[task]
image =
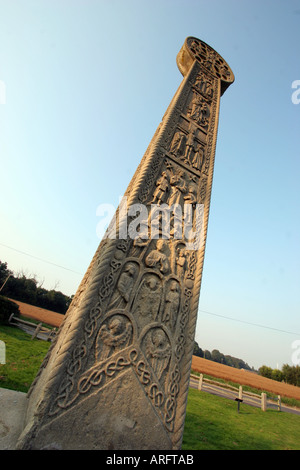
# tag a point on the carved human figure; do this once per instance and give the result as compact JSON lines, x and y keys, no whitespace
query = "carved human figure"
{"x":178,"y":143}
{"x":138,"y":244}
{"x":159,"y":221}
{"x":148,"y":298}
{"x":114,"y":335}
{"x":191,"y":196}
{"x":178,"y":188}
{"x":199,"y":111}
{"x":171,"y":305}
{"x":195,"y":107}
{"x":204,"y":115}
{"x":162,"y":187}
{"x":204,"y":86}
{"x":124,"y":286}
{"x":198,"y":158}
{"x":190,"y":146}
{"x":157,"y":258}
{"x":180,"y":263}
{"x":158,"y":351}
{"x":189,"y":211}
{"x":209,"y":90}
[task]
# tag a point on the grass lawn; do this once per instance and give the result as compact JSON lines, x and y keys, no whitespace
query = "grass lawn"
{"x":213,"y":423}
{"x":23,"y":358}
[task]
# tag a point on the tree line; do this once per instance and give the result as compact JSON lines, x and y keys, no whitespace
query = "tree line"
{"x":216,"y":356}
{"x":287,"y":374}
{"x":29,"y":290}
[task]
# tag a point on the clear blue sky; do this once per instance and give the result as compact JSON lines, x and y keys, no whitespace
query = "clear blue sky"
{"x":87,"y":83}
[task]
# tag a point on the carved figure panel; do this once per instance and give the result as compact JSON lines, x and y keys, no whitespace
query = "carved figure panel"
{"x":181,"y":262}
{"x":157,"y":348}
{"x":157,"y":257}
{"x":172,"y":304}
{"x":162,"y":188}
{"x":115,"y":334}
{"x":146,"y":304}
{"x":178,"y":144}
{"x":124,"y":286}
{"x":191,"y":151}
{"x":204,"y":86}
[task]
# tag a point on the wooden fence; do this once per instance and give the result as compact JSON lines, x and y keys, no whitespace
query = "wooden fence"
{"x":238,"y":391}
{"x":35,"y":330}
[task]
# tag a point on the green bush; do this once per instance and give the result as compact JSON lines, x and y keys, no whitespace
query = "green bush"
{"x":7,"y":307}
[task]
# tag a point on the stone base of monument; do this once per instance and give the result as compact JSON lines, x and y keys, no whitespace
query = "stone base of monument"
{"x":13,"y":409}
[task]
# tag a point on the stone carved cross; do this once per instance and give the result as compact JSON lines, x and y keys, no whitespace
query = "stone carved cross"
{"x":117,"y":375}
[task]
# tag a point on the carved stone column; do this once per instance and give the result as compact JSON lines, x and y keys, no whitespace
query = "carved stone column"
{"x":117,"y":375}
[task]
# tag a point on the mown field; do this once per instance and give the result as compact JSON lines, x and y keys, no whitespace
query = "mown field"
{"x":244,"y":377}
{"x":40,"y":314}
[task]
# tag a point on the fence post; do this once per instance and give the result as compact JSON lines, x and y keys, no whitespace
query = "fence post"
{"x":264,"y":401}
{"x":200,"y":382}
{"x":2,"y":352}
{"x":37,"y":330}
{"x":241,"y":392}
{"x":279,"y":403}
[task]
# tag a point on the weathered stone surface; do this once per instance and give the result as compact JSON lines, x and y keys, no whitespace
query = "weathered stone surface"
{"x":117,"y":376}
{"x":12,"y":414}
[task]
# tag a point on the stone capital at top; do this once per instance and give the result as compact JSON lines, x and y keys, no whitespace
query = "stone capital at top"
{"x":195,"y":49}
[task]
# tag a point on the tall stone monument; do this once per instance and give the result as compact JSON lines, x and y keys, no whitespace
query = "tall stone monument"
{"x":117,"y":375}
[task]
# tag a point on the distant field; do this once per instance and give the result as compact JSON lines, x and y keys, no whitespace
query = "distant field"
{"x":244,"y":377}
{"x":41,"y":314}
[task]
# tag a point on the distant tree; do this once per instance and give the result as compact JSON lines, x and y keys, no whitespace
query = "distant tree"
{"x":265,"y":371}
{"x":277,"y":375}
{"x":223,"y":359}
{"x":7,"y":307}
{"x":243,"y":365}
{"x":291,"y":374}
{"x":4,"y":273}
{"x":288,"y":374}
{"x":207,"y":354}
{"x":216,"y":355}
{"x":30,"y":291}
{"x":229,"y":361}
{"x":58,"y":301}
{"x":297,"y":376}
{"x":197,"y":350}
{"x":69,"y":300}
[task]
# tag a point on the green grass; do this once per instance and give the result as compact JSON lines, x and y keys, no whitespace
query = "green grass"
{"x":23,"y":358}
{"x":213,"y":423}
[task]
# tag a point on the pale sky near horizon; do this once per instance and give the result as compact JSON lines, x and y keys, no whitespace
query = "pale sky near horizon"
{"x":86,"y":85}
